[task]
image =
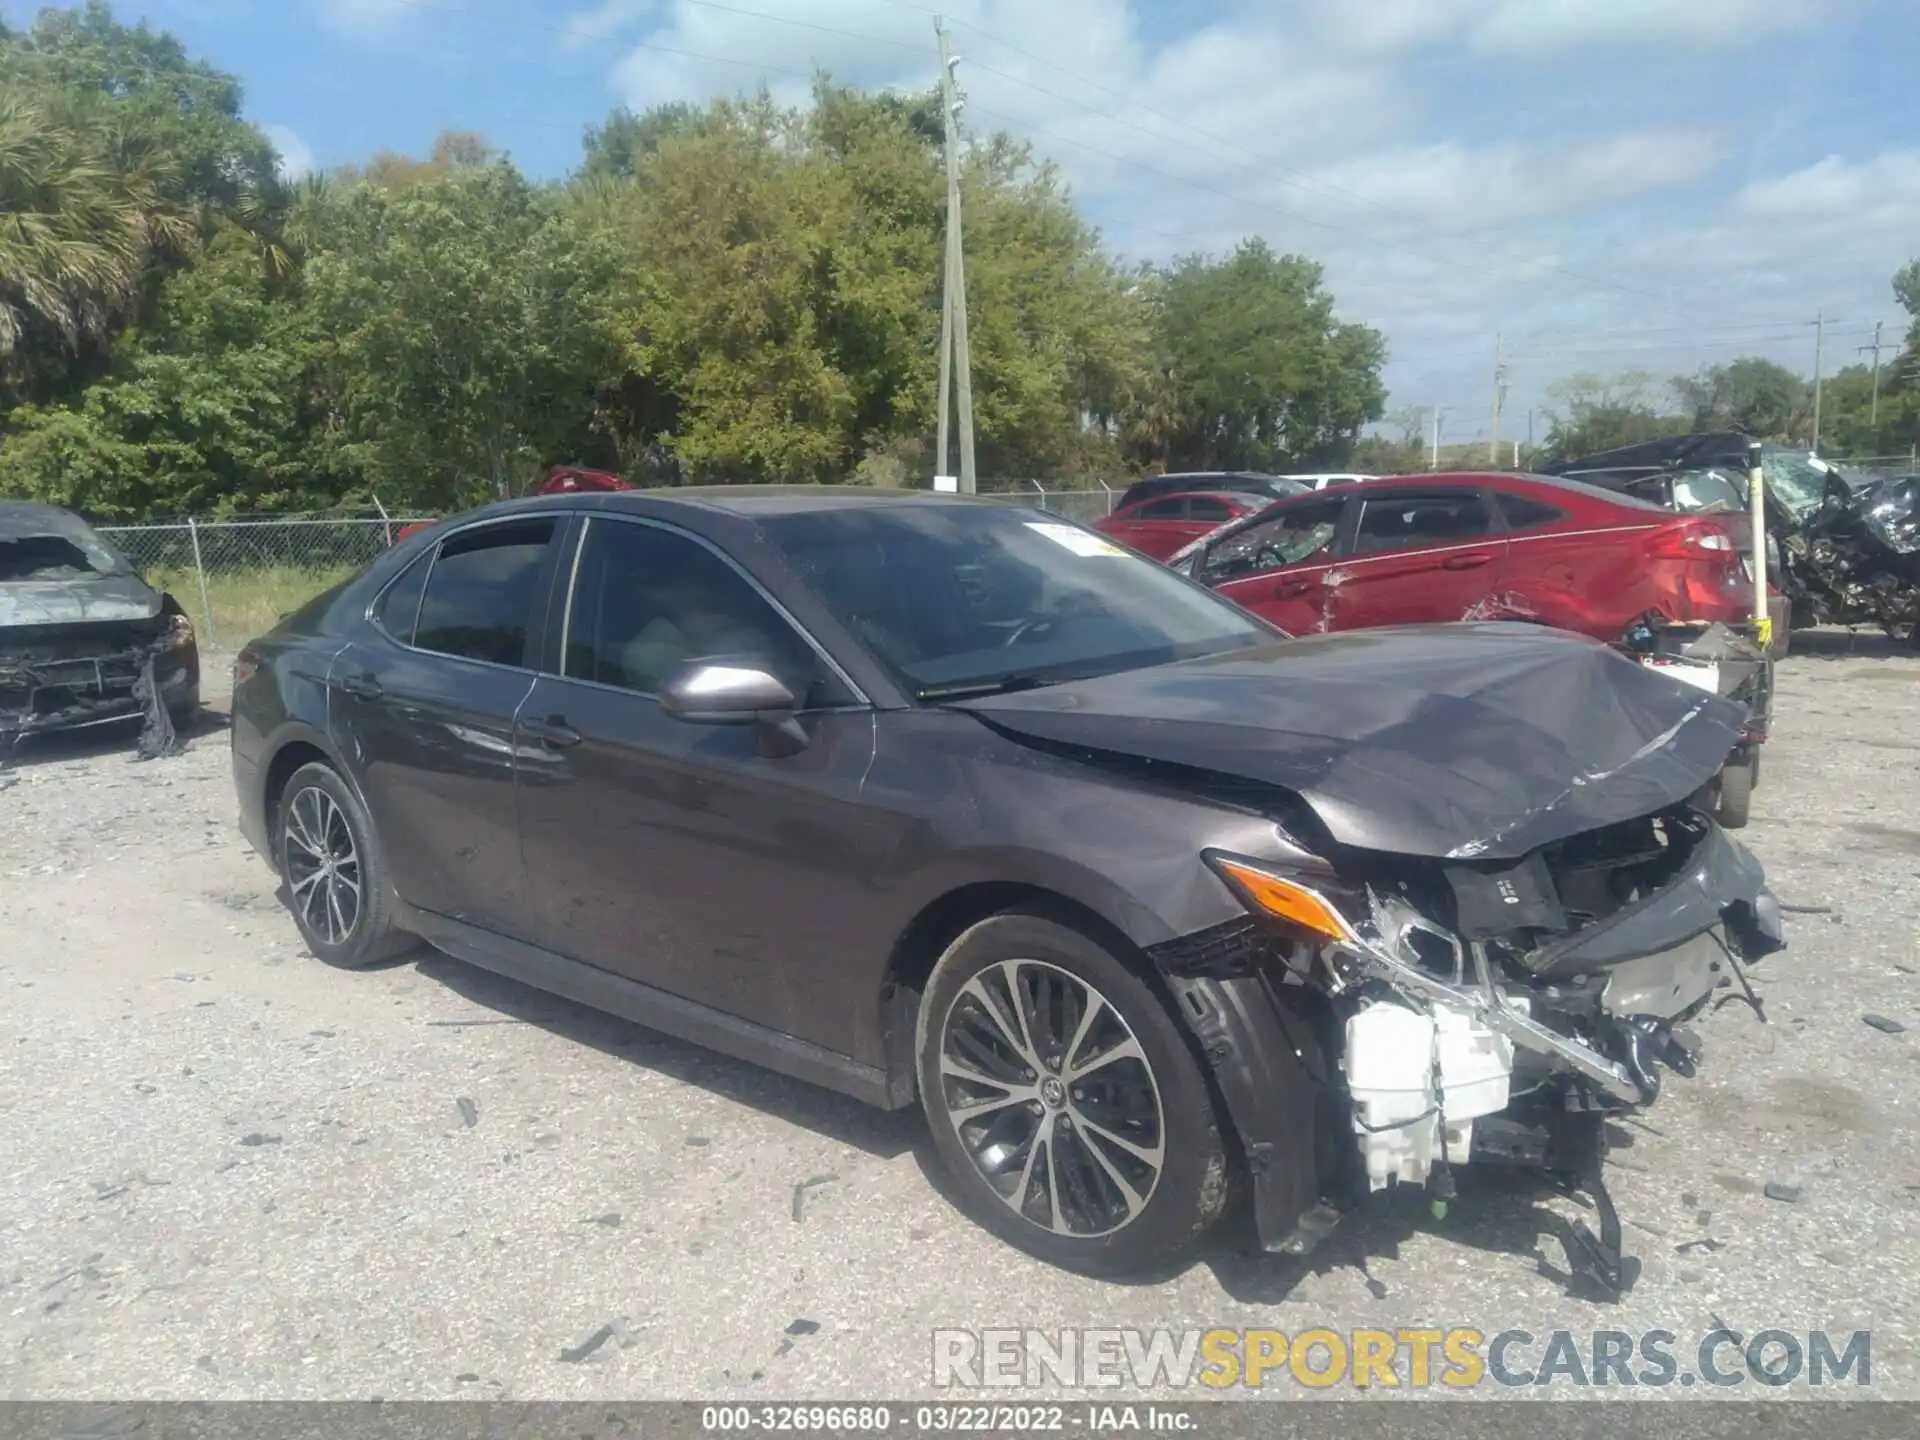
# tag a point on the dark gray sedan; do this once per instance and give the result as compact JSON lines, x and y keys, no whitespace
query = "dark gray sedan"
{"x":940,"y":800}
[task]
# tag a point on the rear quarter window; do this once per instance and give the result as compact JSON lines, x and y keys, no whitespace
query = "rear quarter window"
{"x":1524,"y":514}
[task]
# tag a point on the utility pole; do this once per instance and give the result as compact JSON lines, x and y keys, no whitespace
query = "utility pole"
{"x":956,"y":355}
{"x":1819,"y":342}
{"x":1873,"y":420}
{"x":1438,"y":410}
{"x":1499,"y":398}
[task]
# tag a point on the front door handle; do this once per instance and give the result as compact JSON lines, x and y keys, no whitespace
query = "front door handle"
{"x":553,"y":730}
{"x":1291,"y":588}
{"x":363,"y":685}
{"x":1473,"y":560}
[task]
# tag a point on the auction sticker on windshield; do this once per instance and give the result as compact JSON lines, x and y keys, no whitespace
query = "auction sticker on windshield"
{"x":1080,"y":542}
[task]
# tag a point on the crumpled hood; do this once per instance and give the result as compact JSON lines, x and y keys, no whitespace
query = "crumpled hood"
{"x":1451,"y":741}
{"x":82,"y":600}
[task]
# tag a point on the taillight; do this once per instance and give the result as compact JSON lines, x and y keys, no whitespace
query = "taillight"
{"x":244,"y":666}
{"x":1693,"y":539}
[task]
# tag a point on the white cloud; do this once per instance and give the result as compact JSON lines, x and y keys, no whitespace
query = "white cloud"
{"x":1536,"y":27}
{"x":603,"y":23}
{"x":296,"y":156}
{"x":1314,"y":127}
{"x":1543,"y":25}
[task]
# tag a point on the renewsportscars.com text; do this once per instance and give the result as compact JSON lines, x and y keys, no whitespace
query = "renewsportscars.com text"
{"x":1458,"y":1358}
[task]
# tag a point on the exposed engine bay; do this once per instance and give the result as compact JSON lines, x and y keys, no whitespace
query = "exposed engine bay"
{"x":1499,"y":1011}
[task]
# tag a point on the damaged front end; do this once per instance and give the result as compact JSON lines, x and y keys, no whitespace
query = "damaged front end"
{"x":61,"y":676}
{"x":1418,"y":1014}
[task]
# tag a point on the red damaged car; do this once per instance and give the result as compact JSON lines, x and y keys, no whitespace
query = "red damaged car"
{"x":1161,"y":524}
{"x":1675,"y":589}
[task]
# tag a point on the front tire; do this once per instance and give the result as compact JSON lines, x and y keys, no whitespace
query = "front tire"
{"x":335,"y":871}
{"x":1065,"y":1102}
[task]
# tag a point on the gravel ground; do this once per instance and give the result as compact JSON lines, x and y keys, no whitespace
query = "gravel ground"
{"x":230,"y":1171}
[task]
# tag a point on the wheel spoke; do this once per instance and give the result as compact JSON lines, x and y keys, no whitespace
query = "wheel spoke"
{"x":974,"y":1109}
{"x":297,"y":830}
{"x":1017,"y":998}
{"x":1095,"y":1005}
{"x":1054,"y":1218}
{"x":1153,"y":1155}
{"x":1012,"y":1033}
{"x":1127,"y":1049}
{"x":1135,"y":1201}
{"x":306,"y":882}
{"x":337,"y":929}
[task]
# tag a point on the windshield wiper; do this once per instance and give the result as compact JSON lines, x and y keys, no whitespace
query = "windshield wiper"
{"x":1002,"y":685}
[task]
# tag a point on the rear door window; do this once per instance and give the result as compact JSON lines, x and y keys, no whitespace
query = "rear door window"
{"x":1411,"y":522}
{"x":399,"y":604}
{"x":1206,"y":507}
{"x":1174,"y":507}
{"x":1525,"y":514}
{"x":482,"y":592}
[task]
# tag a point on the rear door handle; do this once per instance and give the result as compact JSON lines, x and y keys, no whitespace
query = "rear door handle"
{"x":365,"y":686}
{"x":553,"y":730}
{"x":1470,"y":561}
{"x":1290,"y":588}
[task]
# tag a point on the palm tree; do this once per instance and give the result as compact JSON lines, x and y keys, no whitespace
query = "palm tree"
{"x":83,"y":207}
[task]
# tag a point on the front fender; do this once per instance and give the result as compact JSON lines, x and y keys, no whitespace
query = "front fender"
{"x":1270,"y":1060}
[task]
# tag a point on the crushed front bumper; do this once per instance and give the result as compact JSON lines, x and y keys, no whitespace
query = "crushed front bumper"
{"x":39,"y":695}
{"x":1598,"y":1011}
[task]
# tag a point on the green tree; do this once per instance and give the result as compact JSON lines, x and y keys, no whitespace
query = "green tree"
{"x":780,"y":300}
{"x":617,"y":146}
{"x":1269,"y":376}
{"x":466,"y":330}
{"x":1589,"y":413}
{"x":213,"y":405}
{"x":1756,"y":396}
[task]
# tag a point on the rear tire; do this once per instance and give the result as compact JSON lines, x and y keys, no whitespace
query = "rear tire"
{"x":336,"y":875}
{"x":1736,"y":793}
{"x":1078,"y":1128}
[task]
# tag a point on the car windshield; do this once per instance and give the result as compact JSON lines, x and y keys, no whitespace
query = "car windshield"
{"x":968,"y":599}
{"x":65,"y":556}
{"x":1699,"y":491}
{"x":1793,"y":478}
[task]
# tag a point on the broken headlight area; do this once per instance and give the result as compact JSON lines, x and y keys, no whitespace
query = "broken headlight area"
{"x":58,"y":676}
{"x":1476,"y":1011}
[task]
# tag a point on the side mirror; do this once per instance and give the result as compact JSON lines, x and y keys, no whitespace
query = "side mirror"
{"x":726,"y":691}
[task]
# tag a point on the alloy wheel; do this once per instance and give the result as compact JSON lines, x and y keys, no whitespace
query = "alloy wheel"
{"x":323,"y":865}
{"x":1052,"y":1098}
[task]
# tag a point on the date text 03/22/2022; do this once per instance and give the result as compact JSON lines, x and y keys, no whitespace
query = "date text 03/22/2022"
{"x":947,"y":1419}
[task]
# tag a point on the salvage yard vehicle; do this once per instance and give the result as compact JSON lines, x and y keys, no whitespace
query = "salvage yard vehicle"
{"x":1673,"y":590}
{"x":1844,"y":542}
{"x":923,"y":797}
{"x":83,"y":639}
{"x":1210,"y":482}
{"x":1162,"y":524}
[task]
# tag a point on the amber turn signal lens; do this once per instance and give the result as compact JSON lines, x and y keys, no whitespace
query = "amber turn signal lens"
{"x":1283,"y":899}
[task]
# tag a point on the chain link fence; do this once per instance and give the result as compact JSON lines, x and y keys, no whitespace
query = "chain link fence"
{"x":238,"y":577}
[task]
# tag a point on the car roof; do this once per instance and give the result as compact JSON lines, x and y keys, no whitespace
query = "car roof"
{"x":746,"y":501}
{"x":30,"y":517}
{"x":1239,"y":497}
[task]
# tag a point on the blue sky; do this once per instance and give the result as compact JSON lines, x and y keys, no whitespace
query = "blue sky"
{"x":1600,"y":183}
